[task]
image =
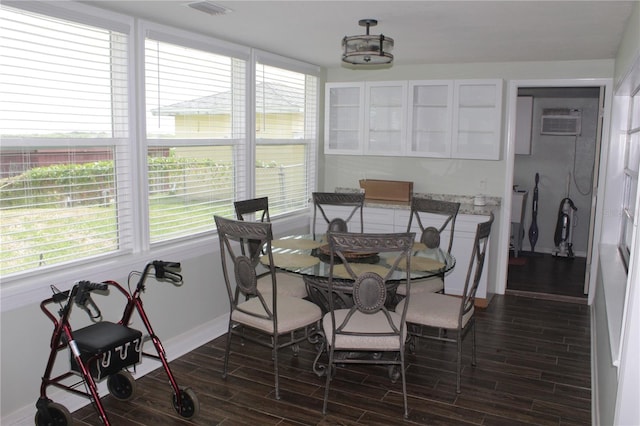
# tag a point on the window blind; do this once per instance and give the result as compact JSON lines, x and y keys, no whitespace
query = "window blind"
{"x":195,"y":121}
{"x":286,"y":133}
{"x":64,"y":128}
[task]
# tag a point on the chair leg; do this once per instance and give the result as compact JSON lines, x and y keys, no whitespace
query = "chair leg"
{"x":404,"y":385}
{"x":473,"y":342}
{"x":329,"y":373}
{"x":459,"y":366}
{"x":275,"y":365}
{"x":226,"y":352}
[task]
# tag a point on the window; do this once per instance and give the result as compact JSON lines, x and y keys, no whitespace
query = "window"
{"x":285,"y":137}
{"x":64,"y":130}
{"x":196,"y":134}
{"x":84,"y":175}
{"x":631,"y":169}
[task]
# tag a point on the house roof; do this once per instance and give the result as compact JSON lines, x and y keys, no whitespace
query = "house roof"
{"x":274,"y":97}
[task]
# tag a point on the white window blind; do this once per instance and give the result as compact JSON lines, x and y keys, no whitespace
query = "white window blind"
{"x":286,"y":135}
{"x":196,"y":137}
{"x":64,"y":128}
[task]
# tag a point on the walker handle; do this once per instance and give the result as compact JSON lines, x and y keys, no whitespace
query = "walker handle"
{"x":163,"y":271}
{"x":83,"y":297}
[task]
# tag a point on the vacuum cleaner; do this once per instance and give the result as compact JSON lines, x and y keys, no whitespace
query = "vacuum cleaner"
{"x":563,"y":237}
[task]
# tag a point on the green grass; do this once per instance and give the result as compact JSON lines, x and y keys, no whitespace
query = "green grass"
{"x":34,"y":237}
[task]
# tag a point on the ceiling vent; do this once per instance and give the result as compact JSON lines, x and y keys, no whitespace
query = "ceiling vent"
{"x":208,"y":7}
{"x":561,"y":121}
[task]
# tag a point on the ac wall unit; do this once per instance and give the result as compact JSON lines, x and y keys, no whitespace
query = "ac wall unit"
{"x":561,"y":121}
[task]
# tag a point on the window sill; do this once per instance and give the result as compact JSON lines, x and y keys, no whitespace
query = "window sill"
{"x":614,"y":284}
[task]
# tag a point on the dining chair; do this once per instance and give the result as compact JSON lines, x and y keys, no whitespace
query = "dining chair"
{"x":353,"y":201}
{"x":445,"y":213}
{"x":367,"y":326}
{"x":429,"y":313}
{"x":280,"y":320}
{"x":258,"y":210}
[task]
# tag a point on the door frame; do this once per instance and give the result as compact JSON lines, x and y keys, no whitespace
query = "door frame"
{"x":509,"y":156}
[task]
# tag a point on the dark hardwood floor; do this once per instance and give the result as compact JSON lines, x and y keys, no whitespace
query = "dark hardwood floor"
{"x":533,"y":369}
{"x":545,"y":274}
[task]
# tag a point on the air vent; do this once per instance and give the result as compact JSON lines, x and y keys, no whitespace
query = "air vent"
{"x":208,"y":7}
{"x":561,"y":121}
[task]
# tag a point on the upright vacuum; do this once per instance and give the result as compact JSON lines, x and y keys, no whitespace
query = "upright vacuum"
{"x":563,"y":237}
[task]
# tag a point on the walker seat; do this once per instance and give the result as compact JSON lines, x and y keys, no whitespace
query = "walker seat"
{"x":106,"y":348}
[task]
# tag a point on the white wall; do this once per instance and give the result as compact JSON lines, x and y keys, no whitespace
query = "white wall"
{"x":441,"y":175}
{"x":552,"y":157}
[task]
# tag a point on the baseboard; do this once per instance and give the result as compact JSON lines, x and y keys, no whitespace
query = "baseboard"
{"x":174,"y":348}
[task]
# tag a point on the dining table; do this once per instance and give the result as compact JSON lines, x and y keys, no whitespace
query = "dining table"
{"x":309,"y":257}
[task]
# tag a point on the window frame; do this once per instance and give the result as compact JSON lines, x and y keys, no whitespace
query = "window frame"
{"x":33,"y":285}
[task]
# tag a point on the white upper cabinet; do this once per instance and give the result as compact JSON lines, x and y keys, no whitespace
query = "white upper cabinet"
{"x":430,"y":118}
{"x":385,"y":117}
{"x":344,"y":118}
{"x":433,"y":118}
{"x":477,"y":119}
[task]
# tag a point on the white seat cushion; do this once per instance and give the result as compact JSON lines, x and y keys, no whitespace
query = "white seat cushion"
{"x":434,"y":310}
{"x":287,"y":285}
{"x":361,"y":322}
{"x":426,"y":285}
{"x":293,"y":313}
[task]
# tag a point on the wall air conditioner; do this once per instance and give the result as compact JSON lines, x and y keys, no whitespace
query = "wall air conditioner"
{"x":561,"y":121}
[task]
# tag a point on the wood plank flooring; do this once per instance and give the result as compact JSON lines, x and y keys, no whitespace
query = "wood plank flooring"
{"x":533,"y":368}
{"x":546,"y":274}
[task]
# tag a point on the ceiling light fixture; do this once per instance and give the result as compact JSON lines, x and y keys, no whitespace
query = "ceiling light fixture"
{"x":367,"y":49}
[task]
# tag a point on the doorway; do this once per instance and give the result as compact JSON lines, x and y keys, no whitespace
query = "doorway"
{"x":555,"y":166}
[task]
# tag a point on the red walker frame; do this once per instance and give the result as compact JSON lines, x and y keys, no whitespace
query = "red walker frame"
{"x":184,"y":399}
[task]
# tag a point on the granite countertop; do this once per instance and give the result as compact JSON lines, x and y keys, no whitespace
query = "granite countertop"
{"x":466,"y":202}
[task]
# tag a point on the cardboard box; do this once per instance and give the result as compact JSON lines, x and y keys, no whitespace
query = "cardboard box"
{"x":386,"y":190}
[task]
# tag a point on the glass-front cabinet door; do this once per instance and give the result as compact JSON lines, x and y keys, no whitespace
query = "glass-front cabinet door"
{"x":430,"y":116}
{"x":344,"y":118}
{"x":477,"y":114}
{"x":385,"y":118}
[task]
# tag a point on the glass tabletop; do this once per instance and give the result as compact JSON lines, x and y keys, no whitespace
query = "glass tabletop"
{"x":303,"y":255}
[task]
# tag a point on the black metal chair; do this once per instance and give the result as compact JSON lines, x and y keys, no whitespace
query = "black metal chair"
{"x":445,"y":212}
{"x":429,"y":313}
{"x":257,"y":209}
{"x":353,"y":201}
{"x":367,"y":326}
{"x":268,"y":314}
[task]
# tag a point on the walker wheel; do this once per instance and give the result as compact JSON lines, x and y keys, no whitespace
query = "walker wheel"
{"x":190,"y":405}
{"x":121,"y":385}
{"x":59,"y":414}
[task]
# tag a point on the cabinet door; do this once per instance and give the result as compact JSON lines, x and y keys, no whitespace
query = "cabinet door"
{"x":429,"y":121}
{"x":344,"y":118}
{"x":378,"y":220}
{"x":385,"y":117}
{"x":477,"y":118}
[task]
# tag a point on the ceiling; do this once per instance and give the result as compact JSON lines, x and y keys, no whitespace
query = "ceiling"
{"x":425,"y":32}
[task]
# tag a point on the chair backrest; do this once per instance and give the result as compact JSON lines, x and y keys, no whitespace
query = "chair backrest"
{"x":259,"y":207}
{"x":370,"y":288}
{"x":476,"y":266}
{"x":340,"y":224}
{"x":239,"y":267}
{"x":431,"y":235}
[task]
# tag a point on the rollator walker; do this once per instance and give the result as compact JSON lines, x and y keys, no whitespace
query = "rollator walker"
{"x":104,"y":350}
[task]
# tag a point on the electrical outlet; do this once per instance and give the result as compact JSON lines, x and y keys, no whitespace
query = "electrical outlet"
{"x":483,"y":184}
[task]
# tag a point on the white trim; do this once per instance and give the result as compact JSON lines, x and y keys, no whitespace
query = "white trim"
{"x":509,"y":156}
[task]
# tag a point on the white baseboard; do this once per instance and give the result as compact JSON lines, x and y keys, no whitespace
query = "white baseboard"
{"x":174,"y":348}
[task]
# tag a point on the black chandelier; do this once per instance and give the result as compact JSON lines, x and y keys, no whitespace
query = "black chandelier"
{"x":367,"y":49}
